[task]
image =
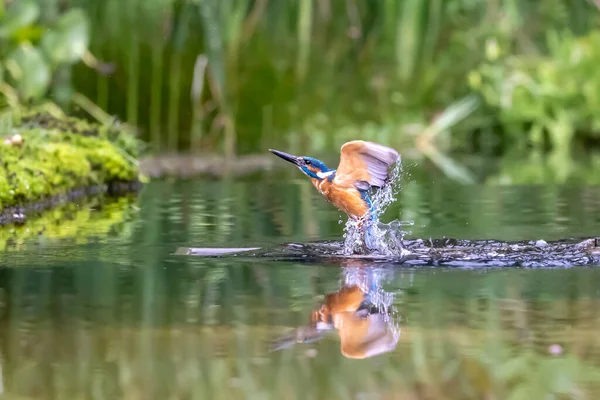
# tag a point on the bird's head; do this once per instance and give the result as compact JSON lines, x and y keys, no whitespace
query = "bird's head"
{"x":311,"y":167}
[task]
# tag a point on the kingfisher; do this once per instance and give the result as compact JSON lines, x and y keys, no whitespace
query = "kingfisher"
{"x":363,"y":166}
{"x":363,"y":328}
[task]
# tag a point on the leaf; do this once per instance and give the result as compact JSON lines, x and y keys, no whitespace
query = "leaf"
{"x":69,"y":39}
{"x":19,"y":15}
{"x":29,"y":70}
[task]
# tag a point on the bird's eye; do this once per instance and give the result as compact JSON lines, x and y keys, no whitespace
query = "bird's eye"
{"x":307,"y":162}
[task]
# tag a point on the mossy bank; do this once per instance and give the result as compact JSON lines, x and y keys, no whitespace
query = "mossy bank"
{"x":44,"y":158}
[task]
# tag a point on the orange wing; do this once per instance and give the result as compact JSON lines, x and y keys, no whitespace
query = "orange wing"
{"x":365,"y":163}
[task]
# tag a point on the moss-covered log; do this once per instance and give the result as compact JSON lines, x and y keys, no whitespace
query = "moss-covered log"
{"x":43,"y":157}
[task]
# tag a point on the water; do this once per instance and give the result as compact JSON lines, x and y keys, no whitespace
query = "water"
{"x":115,"y":313}
{"x":376,"y":237}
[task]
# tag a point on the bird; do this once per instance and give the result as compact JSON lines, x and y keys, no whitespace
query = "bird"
{"x":363,"y":329}
{"x":363,"y":165}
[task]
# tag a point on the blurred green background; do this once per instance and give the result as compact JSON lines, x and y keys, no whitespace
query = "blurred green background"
{"x":95,"y":304}
{"x":494,"y":78}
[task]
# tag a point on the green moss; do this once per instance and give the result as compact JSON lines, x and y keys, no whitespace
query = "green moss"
{"x":101,"y":153}
{"x":78,"y":222}
{"x":58,"y":155}
{"x":5,"y":196}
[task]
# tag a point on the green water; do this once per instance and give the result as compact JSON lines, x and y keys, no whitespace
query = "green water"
{"x":116,"y":314}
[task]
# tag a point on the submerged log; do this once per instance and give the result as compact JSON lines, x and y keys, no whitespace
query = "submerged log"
{"x":437,"y":252}
{"x":465,"y":253}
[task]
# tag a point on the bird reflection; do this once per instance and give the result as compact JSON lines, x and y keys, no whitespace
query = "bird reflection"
{"x":360,"y":312}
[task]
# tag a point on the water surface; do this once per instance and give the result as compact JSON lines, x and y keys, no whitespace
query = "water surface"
{"x":117,"y":314}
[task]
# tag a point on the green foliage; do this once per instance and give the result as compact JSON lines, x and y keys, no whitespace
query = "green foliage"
{"x":29,"y":70}
{"x":276,"y":68}
{"x":19,"y":15}
{"x":239,"y":76}
{"x":557,"y":94}
{"x":34,"y":46}
{"x":58,"y":155}
{"x":68,"y":41}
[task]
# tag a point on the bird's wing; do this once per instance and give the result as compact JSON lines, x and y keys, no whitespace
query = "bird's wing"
{"x":365,"y":163}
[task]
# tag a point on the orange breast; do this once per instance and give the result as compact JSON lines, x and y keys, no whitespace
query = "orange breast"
{"x":345,"y":197}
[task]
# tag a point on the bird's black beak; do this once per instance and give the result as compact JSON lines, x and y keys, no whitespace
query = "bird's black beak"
{"x":287,"y":157}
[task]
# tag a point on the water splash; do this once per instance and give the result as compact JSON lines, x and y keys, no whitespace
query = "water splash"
{"x":370,"y":280}
{"x":372,"y":236}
